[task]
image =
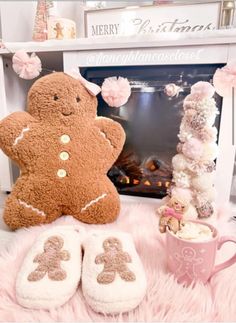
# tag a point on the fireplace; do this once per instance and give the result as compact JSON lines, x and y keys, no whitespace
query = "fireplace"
{"x":151,"y":121}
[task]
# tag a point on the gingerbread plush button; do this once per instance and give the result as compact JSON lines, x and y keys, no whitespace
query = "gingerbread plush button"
{"x":64,"y":152}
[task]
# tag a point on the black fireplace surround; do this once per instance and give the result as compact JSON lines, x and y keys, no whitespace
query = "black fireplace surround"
{"x":151,"y":121}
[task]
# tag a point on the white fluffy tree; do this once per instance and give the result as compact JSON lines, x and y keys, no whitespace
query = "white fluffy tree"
{"x":194,"y":166}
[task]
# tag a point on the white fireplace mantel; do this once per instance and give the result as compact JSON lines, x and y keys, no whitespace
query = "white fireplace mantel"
{"x":217,"y":37}
{"x":196,"y":48}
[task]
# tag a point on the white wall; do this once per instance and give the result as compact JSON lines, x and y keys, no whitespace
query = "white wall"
{"x":17,"y":18}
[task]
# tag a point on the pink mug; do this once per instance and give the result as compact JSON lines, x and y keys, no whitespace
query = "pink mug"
{"x":193,"y":261}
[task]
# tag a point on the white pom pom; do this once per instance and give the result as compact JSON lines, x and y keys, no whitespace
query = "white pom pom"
{"x":203,"y":183}
{"x":181,"y":179}
{"x":210,"y":194}
{"x":179,"y":162}
{"x":210,"y":152}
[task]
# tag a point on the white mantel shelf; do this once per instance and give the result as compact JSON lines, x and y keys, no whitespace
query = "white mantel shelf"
{"x":129,"y":42}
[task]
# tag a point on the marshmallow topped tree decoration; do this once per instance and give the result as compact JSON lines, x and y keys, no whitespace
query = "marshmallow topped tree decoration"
{"x":194,"y":166}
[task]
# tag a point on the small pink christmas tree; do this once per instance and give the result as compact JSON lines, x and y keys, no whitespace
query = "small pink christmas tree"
{"x":40,"y":25}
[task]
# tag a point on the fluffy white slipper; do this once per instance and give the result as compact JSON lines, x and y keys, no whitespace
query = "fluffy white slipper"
{"x":113,"y":278}
{"x":51,"y":270}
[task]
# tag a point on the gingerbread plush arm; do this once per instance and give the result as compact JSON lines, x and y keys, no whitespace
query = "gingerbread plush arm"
{"x":12,"y":131}
{"x":113,"y":133}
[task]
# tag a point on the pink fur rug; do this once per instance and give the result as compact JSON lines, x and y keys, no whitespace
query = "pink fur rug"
{"x":165,"y":301}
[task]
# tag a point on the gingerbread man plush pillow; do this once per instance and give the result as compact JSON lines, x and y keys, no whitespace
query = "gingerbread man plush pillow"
{"x":64,"y":152}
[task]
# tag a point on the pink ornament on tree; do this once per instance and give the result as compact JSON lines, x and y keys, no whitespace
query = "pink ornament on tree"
{"x":116,"y":91}
{"x":192,"y":148}
{"x":203,"y":90}
{"x":224,"y":79}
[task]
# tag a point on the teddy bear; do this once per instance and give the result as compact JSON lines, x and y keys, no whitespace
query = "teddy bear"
{"x":114,"y":260}
{"x":171,"y":214}
{"x":50,"y":261}
{"x":64,"y":152}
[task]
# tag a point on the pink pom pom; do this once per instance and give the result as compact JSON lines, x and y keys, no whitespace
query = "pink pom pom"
{"x":190,"y":101}
{"x":208,"y":134}
{"x":184,"y":193}
{"x":192,"y":148}
{"x":203,"y":90}
{"x":116,"y":92}
{"x":224,"y":79}
{"x":27,"y":67}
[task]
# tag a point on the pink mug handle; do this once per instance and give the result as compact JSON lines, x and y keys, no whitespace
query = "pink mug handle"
{"x":228,"y":262}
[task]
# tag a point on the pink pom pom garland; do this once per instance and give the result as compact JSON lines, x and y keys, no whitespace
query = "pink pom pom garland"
{"x":225,"y":79}
{"x":116,"y":91}
{"x":27,"y":67}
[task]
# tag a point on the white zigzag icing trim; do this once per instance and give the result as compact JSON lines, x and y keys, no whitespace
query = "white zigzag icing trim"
{"x":28,"y":206}
{"x":104,"y":135}
{"x":21,"y":136}
{"x":93,"y":201}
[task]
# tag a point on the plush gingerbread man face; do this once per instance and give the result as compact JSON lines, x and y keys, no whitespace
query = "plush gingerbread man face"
{"x":61,"y":99}
{"x":64,"y":152}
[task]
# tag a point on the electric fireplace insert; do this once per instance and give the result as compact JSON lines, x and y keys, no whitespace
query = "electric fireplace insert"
{"x":151,"y":121}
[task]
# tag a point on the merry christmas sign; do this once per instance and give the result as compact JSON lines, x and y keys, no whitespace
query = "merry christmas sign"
{"x":179,"y":18}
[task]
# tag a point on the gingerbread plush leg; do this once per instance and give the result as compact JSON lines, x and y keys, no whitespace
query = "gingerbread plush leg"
{"x":98,"y":204}
{"x":28,"y":205}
